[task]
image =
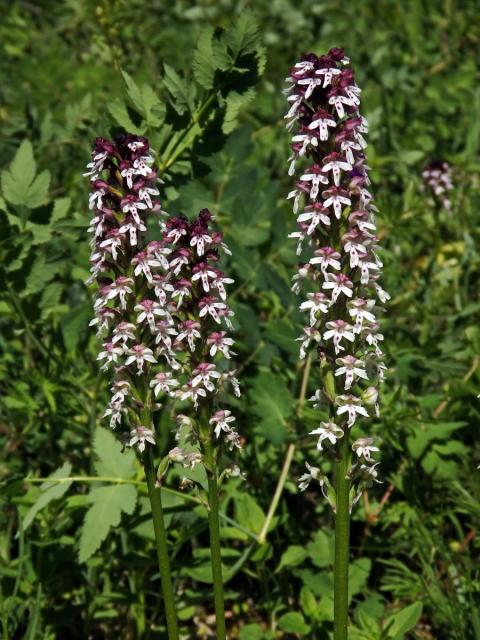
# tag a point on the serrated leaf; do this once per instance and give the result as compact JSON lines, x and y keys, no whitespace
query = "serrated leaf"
{"x":60,"y":209}
{"x":50,"y":491}
{"x":119,"y":112}
{"x":41,"y":273}
{"x":203,"y":65}
{"x":110,"y":459}
{"x":321,"y":549}
{"x":273,"y":404}
{"x":108,"y":503}
{"x":235,"y":103}
{"x":74,"y":325}
{"x":133,"y":89}
{"x":145,"y":100}
{"x":37,"y":193}
{"x":41,"y":233}
{"x":243,"y":37}
{"x":19,"y":185}
{"x":181,"y":91}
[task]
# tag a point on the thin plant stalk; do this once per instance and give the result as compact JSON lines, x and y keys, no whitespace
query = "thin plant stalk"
{"x":215,"y":549}
{"x":154,"y":493}
{"x":342,"y":540}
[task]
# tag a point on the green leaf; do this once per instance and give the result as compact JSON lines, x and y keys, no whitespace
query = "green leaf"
{"x":50,"y":491}
{"x":145,"y":100}
{"x":308,"y":602}
{"x":107,"y":505}
{"x":19,"y":185}
{"x":41,"y":273}
{"x":273,"y":404}
{"x":235,"y":102}
{"x":182,"y":91}
{"x":248,"y":513}
{"x":74,"y":325}
{"x":321,"y":549}
{"x":358,"y":573}
{"x":110,"y":459}
{"x":119,"y":112}
{"x":251,"y":632}
{"x":60,"y":209}
{"x":204,"y":66}
{"x":243,"y":37}
{"x":293,"y":622}
{"x":404,"y":621}
{"x":292,"y":557}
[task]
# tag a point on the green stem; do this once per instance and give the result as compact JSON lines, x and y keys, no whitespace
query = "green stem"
{"x":214,"y":527}
{"x":342,"y":539}
{"x":161,"y":541}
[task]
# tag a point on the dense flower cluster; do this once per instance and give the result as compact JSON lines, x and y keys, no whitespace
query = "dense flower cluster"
{"x":437,"y":180}
{"x":336,"y":239}
{"x":160,"y":305}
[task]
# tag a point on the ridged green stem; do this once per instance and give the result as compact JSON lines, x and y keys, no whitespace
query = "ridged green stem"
{"x":161,"y":544}
{"x":342,"y":539}
{"x":214,"y":527}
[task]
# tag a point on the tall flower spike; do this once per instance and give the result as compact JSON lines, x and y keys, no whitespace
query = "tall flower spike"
{"x":132,"y":308}
{"x":340,"y":267}
{"x":336,"y":227}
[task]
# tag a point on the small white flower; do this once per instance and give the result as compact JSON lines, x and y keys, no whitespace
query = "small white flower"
{"x":352,"y":406}
{"x":327,"y":431}
{"x":139,"y":354}
{"x":222,"y":420}
{"x":339,"y":330}
{"x":313,"y":473}
{"x":140,"y":435}
{"x":352,"y":368}
{"x":363,"y":447}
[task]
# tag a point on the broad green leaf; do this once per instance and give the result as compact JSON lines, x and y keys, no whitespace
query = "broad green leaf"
{"x":308,"y":602}
{"x":182,"y":91}
{"x":293,"y":622}
{"x":108,"y":503}
{"x":235,"y":102}
{"x":404,"y":621}
{"x":321,"y":549}
{"x":251,"y":632}
{"x":110,"y":459}
{"x":60,"y":209}
{"x":145,"y":100}
{"x":20,"y":174}
{"x":248,"y":513}
{"x":41,"y":233}
{"x":293,"y":556}
{"x":74,"y":325}
{"x":274,"y":405}
{"x":358,"y":573}
{"x":37,"y":193}
{"x":203,"y":60}
{"x":50,"y":491}
{"x":243,"y":37}
{"x":19,"y":184}
{"x":119,"y":112}
{"x":41,"y":273}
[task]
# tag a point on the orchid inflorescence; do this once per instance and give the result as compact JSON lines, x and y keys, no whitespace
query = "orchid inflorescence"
{"x":340,"y":269}
{"x":437,"y":182}
{"x":161,"y":304}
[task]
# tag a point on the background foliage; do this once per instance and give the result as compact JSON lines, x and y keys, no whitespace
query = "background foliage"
{"x":76,"y":555}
